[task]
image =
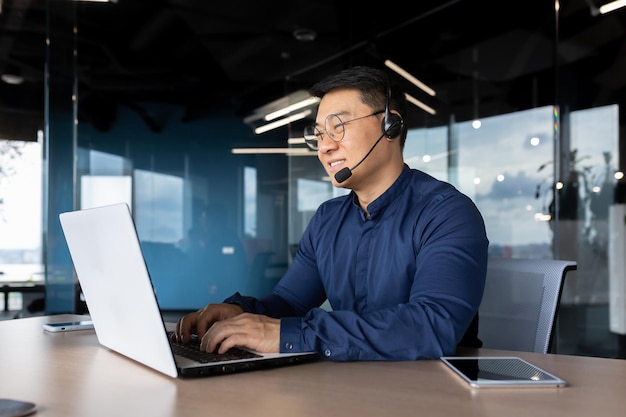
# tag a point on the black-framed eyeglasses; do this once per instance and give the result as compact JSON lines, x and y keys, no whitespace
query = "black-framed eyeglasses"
{"x":334,"y":128}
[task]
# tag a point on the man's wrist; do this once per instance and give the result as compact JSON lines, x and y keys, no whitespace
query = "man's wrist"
{"x":290,"y":335}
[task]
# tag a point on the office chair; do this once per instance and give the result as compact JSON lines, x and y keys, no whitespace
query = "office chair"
{"x":520,"y":303}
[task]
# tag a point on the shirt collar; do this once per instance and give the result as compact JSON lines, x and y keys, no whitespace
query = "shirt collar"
{"x":377,"y":206}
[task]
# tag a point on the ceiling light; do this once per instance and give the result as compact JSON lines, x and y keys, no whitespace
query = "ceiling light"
{"x":296,"y":141}
{"x":13,"y":79}
{"x":305,"y":35}
{"x":297,"y":100}
{"x":12,"y":74}
{"x":613,"y":5}
{"x":420,"y":104}
{"x":295,"y":106}
{"x":282,"y":122}
{"x":409,"y":77}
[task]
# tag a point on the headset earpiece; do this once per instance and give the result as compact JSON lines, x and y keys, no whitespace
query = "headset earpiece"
{"x":392,"y":125}
{"x":392,"y":122}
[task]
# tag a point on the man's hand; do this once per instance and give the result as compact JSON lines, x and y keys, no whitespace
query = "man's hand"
{"x":223,"y":326}
{"x":254,"y":331}
{"x":200,"y":321}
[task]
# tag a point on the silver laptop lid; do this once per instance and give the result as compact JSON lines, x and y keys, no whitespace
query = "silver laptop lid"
{"x":107,"y":257}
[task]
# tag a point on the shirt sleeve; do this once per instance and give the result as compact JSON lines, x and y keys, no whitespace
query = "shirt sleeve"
{"x":270,"y":305}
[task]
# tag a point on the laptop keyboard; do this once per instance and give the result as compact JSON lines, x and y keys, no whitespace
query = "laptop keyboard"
{"x":192,"y":351}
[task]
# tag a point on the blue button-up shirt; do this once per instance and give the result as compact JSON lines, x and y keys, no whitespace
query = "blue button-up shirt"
{"x":404,"y":283}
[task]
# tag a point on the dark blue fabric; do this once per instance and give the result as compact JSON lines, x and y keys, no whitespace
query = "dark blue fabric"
{"x":404,"y":283}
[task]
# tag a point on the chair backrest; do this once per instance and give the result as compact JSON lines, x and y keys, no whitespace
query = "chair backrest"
{"x":520,"y":303}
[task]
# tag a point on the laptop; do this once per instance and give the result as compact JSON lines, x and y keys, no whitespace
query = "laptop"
{"x":109,"y":263}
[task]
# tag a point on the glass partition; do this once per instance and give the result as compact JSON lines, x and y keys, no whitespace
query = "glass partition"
{"x":211,"y":221}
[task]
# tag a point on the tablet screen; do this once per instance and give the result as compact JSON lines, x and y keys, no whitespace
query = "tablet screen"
{"x":500,"y":371}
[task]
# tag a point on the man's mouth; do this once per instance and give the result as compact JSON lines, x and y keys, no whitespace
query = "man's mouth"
{"x":335,"y":163}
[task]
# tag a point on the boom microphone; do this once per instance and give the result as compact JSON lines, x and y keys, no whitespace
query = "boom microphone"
{"x":345,"y":173}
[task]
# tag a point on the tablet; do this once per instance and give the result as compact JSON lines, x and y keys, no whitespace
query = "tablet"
{"x":500,"y":371}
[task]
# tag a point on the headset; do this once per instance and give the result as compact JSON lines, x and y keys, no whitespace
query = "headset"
{"x":392,"y":124}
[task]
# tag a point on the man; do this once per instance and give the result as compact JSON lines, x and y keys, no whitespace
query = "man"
{"x":402,"y":258}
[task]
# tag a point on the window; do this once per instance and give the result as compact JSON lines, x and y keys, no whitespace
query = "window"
{"x":20,"y":214}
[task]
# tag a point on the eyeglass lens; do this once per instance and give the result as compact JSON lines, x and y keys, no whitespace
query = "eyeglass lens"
{"x":334,"y":129}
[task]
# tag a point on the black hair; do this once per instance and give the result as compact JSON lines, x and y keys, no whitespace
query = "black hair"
{"x":374,"y":86}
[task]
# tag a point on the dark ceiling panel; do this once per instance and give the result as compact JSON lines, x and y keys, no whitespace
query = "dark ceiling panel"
{"x":206,"y":55}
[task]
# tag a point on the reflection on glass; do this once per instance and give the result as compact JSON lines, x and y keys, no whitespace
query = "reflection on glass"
{"x":249,"y":196}
{"x":507,"y":168}
{"x":102,"y":190}
{"x":312,"y":193}
{"x":158,"y":207}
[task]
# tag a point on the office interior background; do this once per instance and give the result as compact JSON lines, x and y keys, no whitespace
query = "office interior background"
{"x":162,"y":104}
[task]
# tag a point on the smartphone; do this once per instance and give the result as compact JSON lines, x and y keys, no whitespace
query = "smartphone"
{"x":16,"y":408}
{"x":68,"y":326}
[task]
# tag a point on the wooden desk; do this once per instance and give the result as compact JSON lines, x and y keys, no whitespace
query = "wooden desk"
{"x":69,"y":374}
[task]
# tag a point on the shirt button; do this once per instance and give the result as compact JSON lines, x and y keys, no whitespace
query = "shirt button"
{"x":288,"y":346}
{"x":327,"y":353}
